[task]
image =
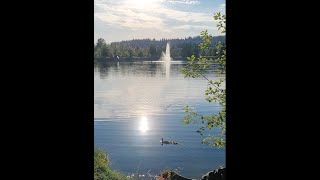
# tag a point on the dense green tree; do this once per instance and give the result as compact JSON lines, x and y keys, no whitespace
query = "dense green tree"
{"x":152,"y":50}
{"x":136,"y":51}
{"x":97,"y":53}
{"x":105,"y":51}
{"x":101,"y":49}
{"x":185,"y":52}
{"x":116,"y":51}
{"x":190,"y":49}
{"x":124,"y":53}
{"x":101,"y":42}
{"x":131,"y":53}
{"x":176,"y":52}
{"x":140,"y":53}
{"x":141,"y":47}
{"x":196,"y":50}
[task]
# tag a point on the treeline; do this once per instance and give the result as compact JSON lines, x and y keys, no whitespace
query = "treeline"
{"x":147,"y":48}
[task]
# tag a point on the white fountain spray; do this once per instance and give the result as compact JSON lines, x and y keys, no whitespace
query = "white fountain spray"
{"x":167,"y":60}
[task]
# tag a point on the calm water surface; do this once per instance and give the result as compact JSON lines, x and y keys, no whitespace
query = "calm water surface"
{"x":138,"y":103}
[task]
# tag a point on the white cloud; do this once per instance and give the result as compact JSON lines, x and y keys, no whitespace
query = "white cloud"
{"x":187,"y":27}
{"x":183,"y":2}
{"x":146,"y":19}
{"x":222,"y":7}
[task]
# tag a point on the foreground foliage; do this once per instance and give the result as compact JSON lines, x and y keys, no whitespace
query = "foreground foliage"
{"x":215,"y":92}
{"x":102,"y":170}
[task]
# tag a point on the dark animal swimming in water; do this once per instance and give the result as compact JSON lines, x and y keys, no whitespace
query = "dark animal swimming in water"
{"x":167,"y":142}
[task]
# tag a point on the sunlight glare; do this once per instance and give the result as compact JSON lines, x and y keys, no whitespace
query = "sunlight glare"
{"x":143,"y":124}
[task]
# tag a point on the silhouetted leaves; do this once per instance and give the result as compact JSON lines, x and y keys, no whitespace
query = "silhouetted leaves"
{"x":215,"y":92}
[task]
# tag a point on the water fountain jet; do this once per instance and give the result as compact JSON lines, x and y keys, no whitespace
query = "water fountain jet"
{"x":166,"y":58}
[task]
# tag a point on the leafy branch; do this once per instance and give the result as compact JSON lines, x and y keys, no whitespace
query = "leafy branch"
{"x":196,"y":67}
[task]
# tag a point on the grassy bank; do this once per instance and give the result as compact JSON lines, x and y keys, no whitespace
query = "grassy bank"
{"x":102,"y":170}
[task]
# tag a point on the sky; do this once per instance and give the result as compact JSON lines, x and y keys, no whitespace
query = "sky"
{"x":117,"y":20}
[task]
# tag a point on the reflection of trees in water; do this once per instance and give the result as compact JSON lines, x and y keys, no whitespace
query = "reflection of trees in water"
{"x":125,"y":67}
{"x":103,"y":69}
{"x":150,"y":69}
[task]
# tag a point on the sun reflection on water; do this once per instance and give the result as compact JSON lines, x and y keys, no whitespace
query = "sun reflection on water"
{"x":144,"y":124}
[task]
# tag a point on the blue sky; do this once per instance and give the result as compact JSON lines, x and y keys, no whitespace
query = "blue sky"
{"x":117,"y":20}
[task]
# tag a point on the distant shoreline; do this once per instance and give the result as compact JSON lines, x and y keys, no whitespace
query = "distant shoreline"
{"x":134,"y":59}
{"x":102,"y":59}
{"x":128,"y":59}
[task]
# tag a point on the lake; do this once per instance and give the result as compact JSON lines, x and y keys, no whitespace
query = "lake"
{"x":138,"y":103}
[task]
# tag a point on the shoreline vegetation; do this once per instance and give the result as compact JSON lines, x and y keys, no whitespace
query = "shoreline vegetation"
{"x":137,"y":59}
{"x":142,"y":49}
{"x":102,"y":171}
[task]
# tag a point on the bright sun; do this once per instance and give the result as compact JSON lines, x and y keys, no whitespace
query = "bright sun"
{"x":143,"y":124}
